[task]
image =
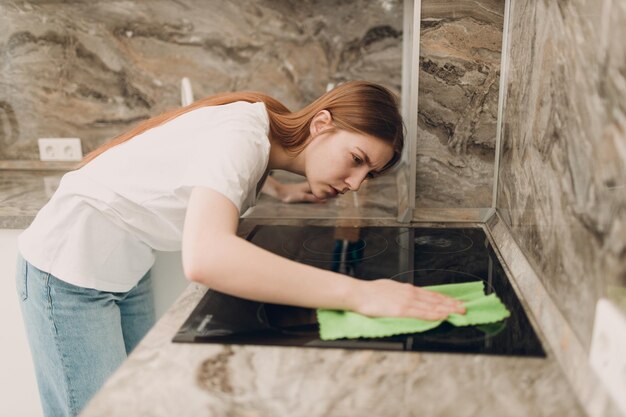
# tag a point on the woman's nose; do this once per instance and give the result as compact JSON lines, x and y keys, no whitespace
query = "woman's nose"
{"x":355,"y":180}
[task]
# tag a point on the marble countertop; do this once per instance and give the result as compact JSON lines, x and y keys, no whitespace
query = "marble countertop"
{"x":161,"y":378}
{"x":24,"y":191}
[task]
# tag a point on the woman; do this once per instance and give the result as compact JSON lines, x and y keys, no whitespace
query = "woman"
{"x":181,"y":181}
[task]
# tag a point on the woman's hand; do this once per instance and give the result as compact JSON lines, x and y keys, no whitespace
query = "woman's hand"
{"x":297,"y":193}
{"x":388,"y":298}
{"x":290,"y":193}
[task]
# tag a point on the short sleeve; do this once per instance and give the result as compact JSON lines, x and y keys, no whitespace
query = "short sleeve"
{"x":231,"y":161}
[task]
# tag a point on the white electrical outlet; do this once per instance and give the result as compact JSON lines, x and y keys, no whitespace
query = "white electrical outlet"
{"x":608,"y":350}
{"x":60,"y":149}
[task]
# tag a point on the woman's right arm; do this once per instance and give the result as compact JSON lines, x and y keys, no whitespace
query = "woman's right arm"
{"x":215,"y":256}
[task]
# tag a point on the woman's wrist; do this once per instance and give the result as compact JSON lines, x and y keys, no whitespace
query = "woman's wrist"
{"x":272,"y":188}
{"x":279,"y":190}
{"x":353,"y":293}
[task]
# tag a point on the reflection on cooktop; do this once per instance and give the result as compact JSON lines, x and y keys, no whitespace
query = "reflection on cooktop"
{"x":420,"y":256}
{"x":321,"y":248}
{"x":438,"y":241}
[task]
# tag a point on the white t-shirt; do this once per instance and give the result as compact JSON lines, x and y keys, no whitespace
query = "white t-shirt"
{"x":101,"y":227}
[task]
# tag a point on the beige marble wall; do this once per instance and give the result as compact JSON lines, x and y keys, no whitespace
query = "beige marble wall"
{"x":562,"y":180}
{"x":459,"y":75}
{"x":93,"y":69}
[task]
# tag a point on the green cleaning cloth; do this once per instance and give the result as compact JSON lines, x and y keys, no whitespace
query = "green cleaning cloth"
{"x":480,"y":309}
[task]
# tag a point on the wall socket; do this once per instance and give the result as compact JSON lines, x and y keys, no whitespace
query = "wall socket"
{"x":608,"y":350}
{"x":60,"y":149}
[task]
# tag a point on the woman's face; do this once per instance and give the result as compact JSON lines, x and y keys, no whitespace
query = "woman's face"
{"x":339,"y":161}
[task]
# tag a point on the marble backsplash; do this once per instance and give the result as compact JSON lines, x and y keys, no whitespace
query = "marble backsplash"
{"x":93,"y":69}
{"x":562,"y":179}
{"x":460,"y":45}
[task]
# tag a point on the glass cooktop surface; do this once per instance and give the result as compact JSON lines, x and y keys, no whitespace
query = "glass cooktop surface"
{"x":420,"y":256}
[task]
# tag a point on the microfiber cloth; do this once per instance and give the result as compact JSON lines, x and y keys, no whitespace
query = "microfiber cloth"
{"x":480,"y":309}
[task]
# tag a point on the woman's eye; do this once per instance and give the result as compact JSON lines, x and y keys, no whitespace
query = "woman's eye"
{"x":357,"y":159}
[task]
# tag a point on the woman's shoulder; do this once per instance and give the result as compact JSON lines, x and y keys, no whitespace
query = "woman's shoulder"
{"x":238,"y":115}
{"x":243,"y":124}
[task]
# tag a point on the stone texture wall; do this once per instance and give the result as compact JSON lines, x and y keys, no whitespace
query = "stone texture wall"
{"x":562,"y":180}
{"x":93,"y":69}
{"x":459,"y":77}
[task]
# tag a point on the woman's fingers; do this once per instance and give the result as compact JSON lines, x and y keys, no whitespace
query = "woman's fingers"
{"x":435,"y":308}
{"x":388,"y":298}
{"x":436,"y":299}
{"x":310,"y":198}
{"x":426,"y":314}
{"x":298,"y":193}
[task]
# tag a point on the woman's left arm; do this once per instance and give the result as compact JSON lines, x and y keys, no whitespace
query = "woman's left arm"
{"x":289,"y":193}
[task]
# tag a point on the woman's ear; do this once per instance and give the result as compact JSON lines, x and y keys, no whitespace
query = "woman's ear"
{"x":320,"y":122}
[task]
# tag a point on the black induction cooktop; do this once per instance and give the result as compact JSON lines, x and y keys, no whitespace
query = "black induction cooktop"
{"x":420,"y":256}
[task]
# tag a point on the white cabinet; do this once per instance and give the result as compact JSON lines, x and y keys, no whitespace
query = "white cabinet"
{"x":18,"y":386}
{"x":17,"y":375}
{"x":168,"y":280}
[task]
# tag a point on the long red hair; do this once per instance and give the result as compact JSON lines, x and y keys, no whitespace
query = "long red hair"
{"x":357,"y":106}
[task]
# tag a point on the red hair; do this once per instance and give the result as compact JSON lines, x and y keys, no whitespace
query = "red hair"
{"x":357,"y":106}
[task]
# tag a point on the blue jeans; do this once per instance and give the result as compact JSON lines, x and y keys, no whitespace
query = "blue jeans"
{"x":78,"y":336}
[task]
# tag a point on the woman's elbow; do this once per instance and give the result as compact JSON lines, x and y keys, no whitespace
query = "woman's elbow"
{"x":191,"y":273}
{"x":197,"y":268}
{"x":204,"y":261}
